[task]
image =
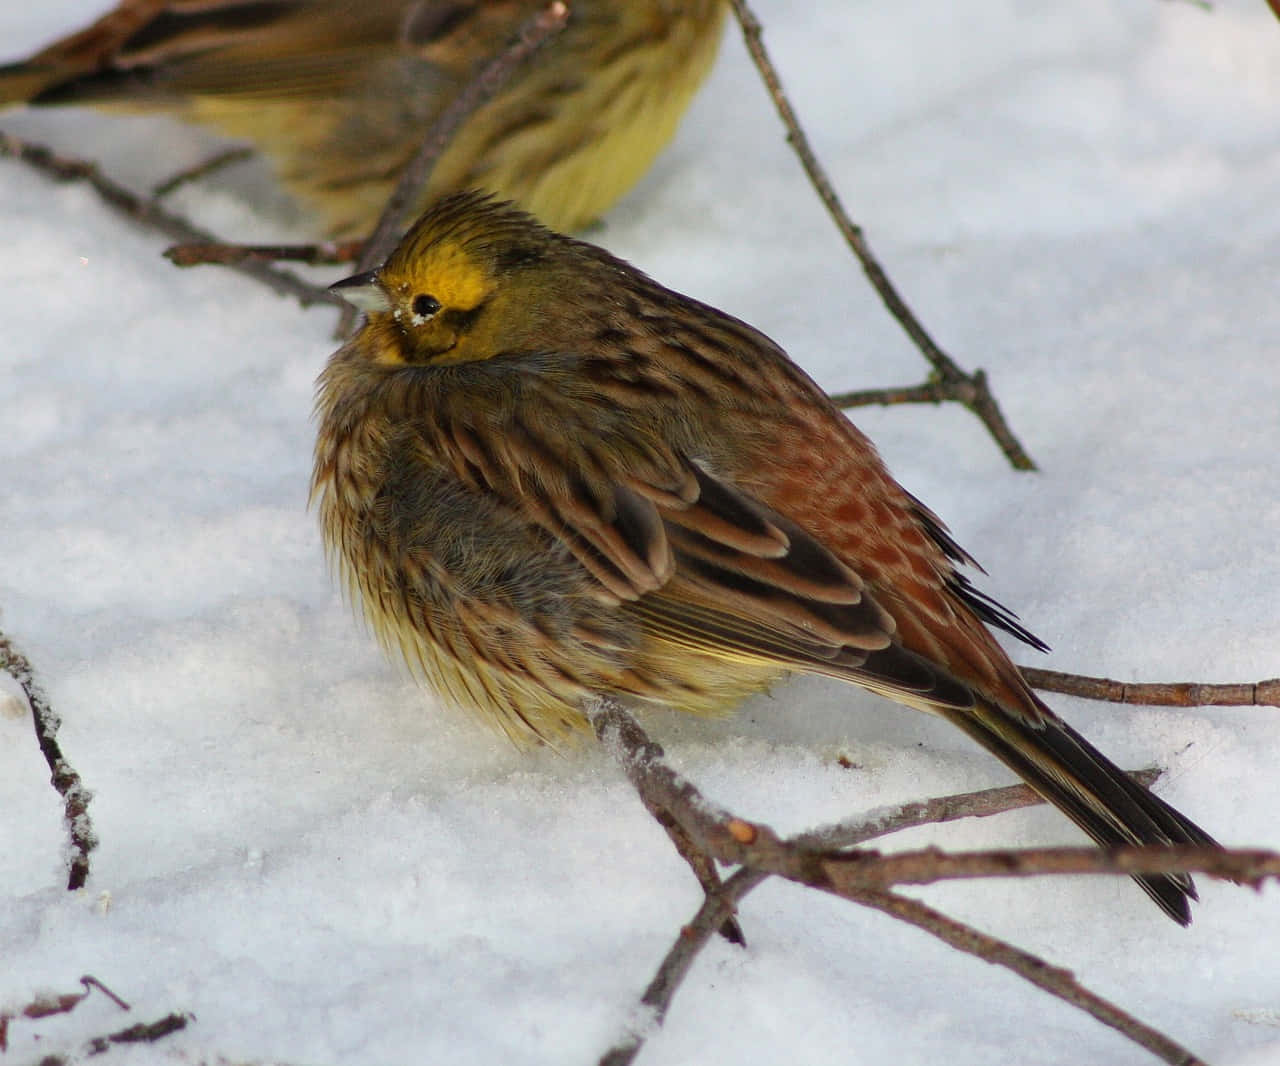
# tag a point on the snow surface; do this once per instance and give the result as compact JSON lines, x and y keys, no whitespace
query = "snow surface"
{"x":302,"y":850}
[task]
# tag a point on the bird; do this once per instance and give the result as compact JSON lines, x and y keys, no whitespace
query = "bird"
{"x":339,"y":94}
{"x":548,"y":479}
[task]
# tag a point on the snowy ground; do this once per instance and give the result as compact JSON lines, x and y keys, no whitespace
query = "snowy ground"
{"x":302,"y":850}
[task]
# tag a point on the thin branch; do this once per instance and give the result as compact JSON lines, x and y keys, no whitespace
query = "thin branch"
{"x":49,"y":1004}
{"x":799,"y":858}
{"x":971,"y":392}
{"x":716,"y":909}
{"x":731,"y":839}
{"x":813,"y":860}
{"x":212,"y":165}
{"x":936,"y":392}
{"x":850,"y":874}
{"x":979,"y":397}
{"x":1157,"y":693}
{"x":702,"y":865}
{"x":149,"y":213}
{"x":89,"y":981}
{"x":63,"y":777}
{"x":142,"y":1033}
{"x":720,"y":905}
{"x":673,"y":801}
{"x":1053,"y":979}
{"x":886,"y":820}
{"x":709,"y":826}
{"x":324,"y":253}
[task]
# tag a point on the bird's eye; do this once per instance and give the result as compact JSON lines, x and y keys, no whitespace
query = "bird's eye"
{"x":425,"y":306}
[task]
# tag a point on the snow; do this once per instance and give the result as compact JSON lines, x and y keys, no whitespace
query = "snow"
{"x":302,"y":850}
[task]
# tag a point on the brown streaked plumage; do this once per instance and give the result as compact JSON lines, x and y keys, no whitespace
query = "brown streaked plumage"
{"x":340,"y":93}
{"x":546,"y":476}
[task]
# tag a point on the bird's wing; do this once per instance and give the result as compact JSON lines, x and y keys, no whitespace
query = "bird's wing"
{"x":699,"y":561}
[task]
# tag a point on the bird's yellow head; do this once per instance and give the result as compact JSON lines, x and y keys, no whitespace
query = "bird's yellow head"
{"x":456,"y":289}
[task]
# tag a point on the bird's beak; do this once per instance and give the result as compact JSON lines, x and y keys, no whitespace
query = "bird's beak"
{"x":364,"y":291}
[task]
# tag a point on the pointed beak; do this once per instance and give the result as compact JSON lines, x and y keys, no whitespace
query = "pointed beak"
{"x":364,"y":291}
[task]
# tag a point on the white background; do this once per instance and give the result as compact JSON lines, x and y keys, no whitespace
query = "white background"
{"x":303,"y":850}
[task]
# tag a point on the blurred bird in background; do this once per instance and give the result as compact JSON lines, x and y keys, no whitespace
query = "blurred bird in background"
{"x":340,"y":93}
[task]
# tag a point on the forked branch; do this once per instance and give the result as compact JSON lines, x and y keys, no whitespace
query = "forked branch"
{"x":819,"y":860}
{"x":948,"y":382}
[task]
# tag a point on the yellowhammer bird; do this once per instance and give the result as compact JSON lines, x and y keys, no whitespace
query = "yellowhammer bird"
{"x":547,"y":477}
{"x":340,"y":93}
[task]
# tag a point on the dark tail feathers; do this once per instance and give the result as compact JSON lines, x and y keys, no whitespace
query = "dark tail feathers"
{"x":1092,"y":791}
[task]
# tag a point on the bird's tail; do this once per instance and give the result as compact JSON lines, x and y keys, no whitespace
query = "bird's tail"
{"x":1089,"y":789}
{"x":66,"y":71}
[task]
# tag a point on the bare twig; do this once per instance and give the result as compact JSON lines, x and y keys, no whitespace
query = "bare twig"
{"x":707,"y":825}
{"x":63,"y":777}
{"x":935,"y":392}
{"x":212,"y":165}
{"x":47,"y":1005}
{"x":1053,"y":979}
{"x":325,"y":253}
{"x":142,"y":1033}
{"x":149,"y":213}
{"x":716,"y":909}
{"x":814,"y":859}
{"x":89,"y":981}
{"x":702,"y":865}
{"x":720,"y":905}
{"x":971,"y":390}
{"x":852,"y":873}
{"x":1157,"y":694}
{"x":886,"y":820}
